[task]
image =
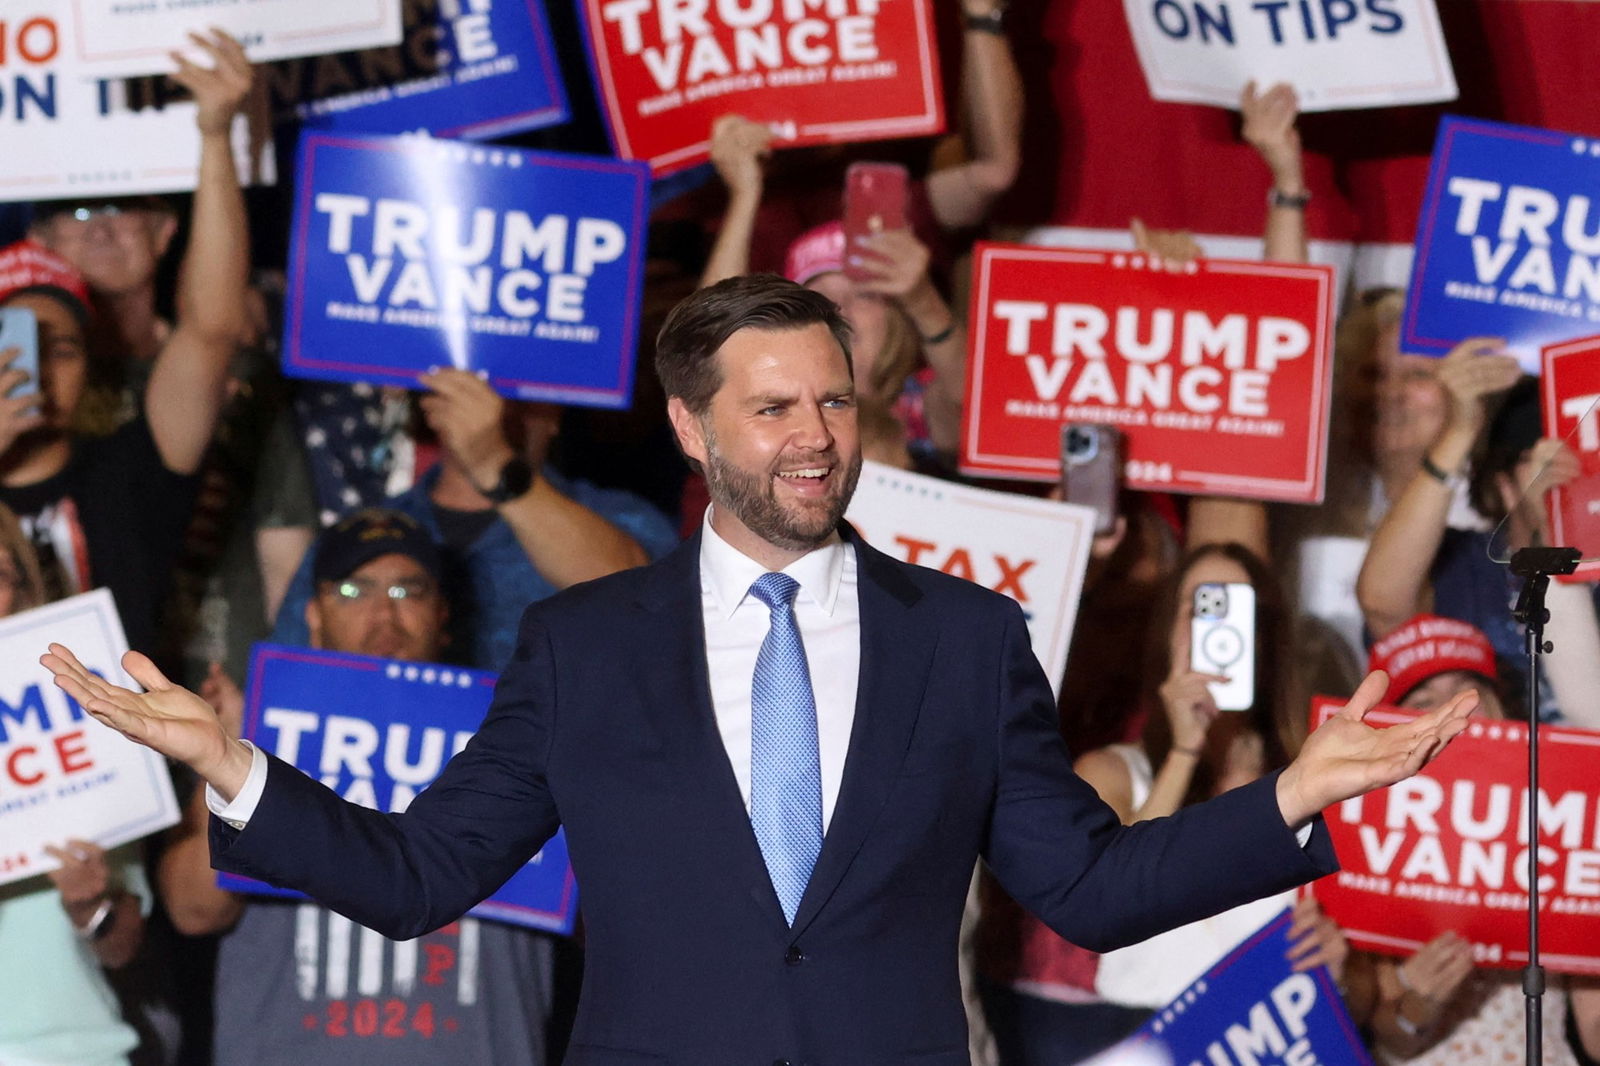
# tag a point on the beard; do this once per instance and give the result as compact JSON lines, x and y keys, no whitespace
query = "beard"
{"x":751,"y":498}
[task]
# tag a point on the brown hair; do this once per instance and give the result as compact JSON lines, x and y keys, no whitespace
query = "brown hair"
{"x":1277,"y":716}
{"x":902,"y":351}
{"x":687,"y":346}
{"x":30,"y":583}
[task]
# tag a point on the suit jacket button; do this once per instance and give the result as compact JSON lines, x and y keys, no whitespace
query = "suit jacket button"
{"x":781,"y":1062}
{"x":794,"y":956}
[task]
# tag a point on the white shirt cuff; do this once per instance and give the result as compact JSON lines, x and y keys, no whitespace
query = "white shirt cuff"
{"x":1302,"y":835}
{"x":238,"y":812}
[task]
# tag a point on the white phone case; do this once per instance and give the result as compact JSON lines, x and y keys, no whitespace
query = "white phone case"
{"x":1222,"y":641}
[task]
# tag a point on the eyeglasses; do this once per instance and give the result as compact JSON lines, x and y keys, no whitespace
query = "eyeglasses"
{"x":365,"y":590}
{"x":84,"y":214}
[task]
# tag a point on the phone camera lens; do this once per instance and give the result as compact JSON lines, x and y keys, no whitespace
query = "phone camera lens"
{"x":1081,"y":444}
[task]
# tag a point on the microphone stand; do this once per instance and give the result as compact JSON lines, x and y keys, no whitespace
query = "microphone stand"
{"x":1535,"y":566}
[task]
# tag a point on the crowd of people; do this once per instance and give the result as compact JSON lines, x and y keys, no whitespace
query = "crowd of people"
{"x":164,"y":457}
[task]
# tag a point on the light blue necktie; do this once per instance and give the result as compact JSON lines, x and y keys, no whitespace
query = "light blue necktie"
{"x":785,"y":772}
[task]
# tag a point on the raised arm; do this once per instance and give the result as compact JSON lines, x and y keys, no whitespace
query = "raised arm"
{"x":564,"y":540}
{"x":1393,"y":584}
{"x":897,"y":267}
{"x":738,"y":147}
{"x":1269,"y":128}
{"x":991,"y":96}
{"x":188,"y":383}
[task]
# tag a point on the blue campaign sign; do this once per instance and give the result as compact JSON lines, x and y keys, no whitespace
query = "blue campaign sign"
{"x":378,"y":731}
{"x":409,"y":253}
{"x":465,"y":68}
{"x":1250,"y":1009}
{"x":1508,"y":242}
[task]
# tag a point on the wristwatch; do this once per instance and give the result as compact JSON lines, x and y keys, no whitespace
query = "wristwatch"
{"x":1278,"y":198}
{"x":516,"y":478}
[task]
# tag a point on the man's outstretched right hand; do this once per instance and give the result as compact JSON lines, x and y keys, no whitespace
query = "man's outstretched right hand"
{"x":165,"y":717}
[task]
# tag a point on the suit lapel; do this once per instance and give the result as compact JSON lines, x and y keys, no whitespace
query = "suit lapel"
{"x":897,"y":648}
{"x":670,"y":662}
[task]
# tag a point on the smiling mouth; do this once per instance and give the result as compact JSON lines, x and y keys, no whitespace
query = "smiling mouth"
{"x":809,"y":473}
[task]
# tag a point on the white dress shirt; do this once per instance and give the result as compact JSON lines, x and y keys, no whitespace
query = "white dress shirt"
{"x":828,"y":611}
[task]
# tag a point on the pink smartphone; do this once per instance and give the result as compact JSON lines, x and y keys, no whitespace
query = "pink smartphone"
{"x":1091,"y":470}
{"x":874,"y":201}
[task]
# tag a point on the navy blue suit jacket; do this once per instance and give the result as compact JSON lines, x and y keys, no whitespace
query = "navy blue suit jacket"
{"x":603,"y":723}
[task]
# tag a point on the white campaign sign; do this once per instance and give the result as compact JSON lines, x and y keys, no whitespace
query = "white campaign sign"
{"x":1336,"y":53}
{"x":119,"y":37}
{"x":1033,"y":550}
{"x":62,"y":774}
{"x":67,"y":134}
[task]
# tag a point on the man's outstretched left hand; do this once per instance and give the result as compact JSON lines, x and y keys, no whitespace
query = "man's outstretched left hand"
{"x":1345,"y":757}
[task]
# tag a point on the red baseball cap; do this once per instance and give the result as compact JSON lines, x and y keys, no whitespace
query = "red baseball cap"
{"x":1428,"y":645}
{"x":29,"y":266}
{"x":818,"y":250}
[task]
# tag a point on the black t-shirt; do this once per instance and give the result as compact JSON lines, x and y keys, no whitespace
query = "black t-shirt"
{"x":132,"y":512}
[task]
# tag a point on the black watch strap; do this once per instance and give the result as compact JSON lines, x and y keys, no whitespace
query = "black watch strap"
{"x":516,"y":478}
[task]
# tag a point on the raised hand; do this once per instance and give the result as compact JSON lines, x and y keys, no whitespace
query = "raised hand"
{"x":1173,"y":249}
{"x":18,"y":414}
{"x":1345,"y":757}
{"x":1436,"y":971}
{"x":1269,"y":128}
{"x":1190,"y":708}
{"x":468,"y":415}
{"x":738,"y":146}
{"x":166,"y":718}
{"x":1315,"y":940}
{"x":1473,"y":370}
{"x":220,"y":91}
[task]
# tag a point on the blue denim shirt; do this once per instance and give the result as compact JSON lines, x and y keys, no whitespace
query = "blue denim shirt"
{"x":494,"y":580}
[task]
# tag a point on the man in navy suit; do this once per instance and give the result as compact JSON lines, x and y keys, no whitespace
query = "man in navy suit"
{"x":777,"y":754}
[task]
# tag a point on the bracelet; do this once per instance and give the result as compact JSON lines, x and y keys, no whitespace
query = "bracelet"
{"x":1193,"y":753}
{"x":1432,"y":469}
{"x":942,"y":336}
{"x":1406,"y":1025}
{"x":1278,"y":198}
{"x":96,"y":926}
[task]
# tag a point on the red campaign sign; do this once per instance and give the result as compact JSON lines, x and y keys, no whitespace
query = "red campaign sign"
{"x":1570,"y":388}
{"x":817,"y":71}
{"x":1447,"y":849}
{"x":1219,"y":375}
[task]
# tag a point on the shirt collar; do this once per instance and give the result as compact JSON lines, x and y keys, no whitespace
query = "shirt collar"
{"x":728,"y":573}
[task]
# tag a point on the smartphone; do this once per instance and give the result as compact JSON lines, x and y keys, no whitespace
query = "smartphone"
{"x":19,"y":329}
{"x":1222,"y":638}
{"x":1091,"y":470}
{"x":874,"y":201}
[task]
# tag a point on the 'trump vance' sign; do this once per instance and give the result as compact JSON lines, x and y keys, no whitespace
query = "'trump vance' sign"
{"x":1448,"y":849}
{"x":1251,"y":1009}
{"x":1508,"y":241}
{"x":1336,"y":53}
{"x":63,"y":775}
{"x":1570,"y":392}
{"x":1218,"y":375}
{"x":378,"y":731}
{"x":818,"y":71}
{"x":466,"y":68}
{"x":409,"y":253}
